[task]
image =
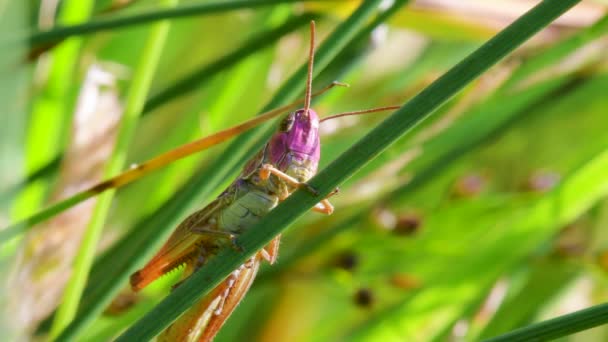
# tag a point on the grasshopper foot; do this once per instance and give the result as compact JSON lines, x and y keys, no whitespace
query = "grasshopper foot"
{"x":333,"y":192}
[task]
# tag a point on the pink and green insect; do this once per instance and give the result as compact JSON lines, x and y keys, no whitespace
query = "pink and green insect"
{"x":284,"y":164}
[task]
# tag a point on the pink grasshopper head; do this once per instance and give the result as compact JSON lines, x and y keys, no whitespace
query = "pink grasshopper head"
{"x":297,"y":143}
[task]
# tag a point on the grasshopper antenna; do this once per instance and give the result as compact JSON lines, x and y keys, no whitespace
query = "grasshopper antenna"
{"x":311,"y":59}
{"x":359,"y":112}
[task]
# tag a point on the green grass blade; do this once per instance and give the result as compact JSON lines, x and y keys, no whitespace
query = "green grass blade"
{"x":112,"y":23}
{"x":51,"y":108}
{"x":559,"y":326}
{"x":44,"y":171}
{"x":363,"y":151}
{"x":558,"y":52}
{"x":141,"y":83}
{"x":23,"y":225}
{"x":203,"y":74}
{"x":585,"y":178}
{"x":545,"y":281}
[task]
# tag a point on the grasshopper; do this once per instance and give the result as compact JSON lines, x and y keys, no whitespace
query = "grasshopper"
{"x":287,"y":161}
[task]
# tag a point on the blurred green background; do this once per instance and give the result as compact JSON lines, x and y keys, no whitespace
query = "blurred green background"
{"x":487,"y":217}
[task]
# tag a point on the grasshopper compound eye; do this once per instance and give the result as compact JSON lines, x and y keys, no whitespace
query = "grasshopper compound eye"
{"x":287,"y":123}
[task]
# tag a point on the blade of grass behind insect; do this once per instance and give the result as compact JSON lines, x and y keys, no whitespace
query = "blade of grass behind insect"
{"x":194,"y":79}
{"x":51,"y":111}
{"x":144,"y":239}
{"x":587,"y":183}
{"x":541,"y":287}
{"x":559,"y":326}
{"x":545,"y":281}
{"x":364,"y":150}
{"x":164,"y":181}
{"x":45,"y":171}
{"x":184,"y":85}
{"x":13,"y":16}
{"x":443,"y":26}
{"x":140,"y":86}
{"x":120,"y":21}
{"x":50,"y":114}
{"x":558,"y":52}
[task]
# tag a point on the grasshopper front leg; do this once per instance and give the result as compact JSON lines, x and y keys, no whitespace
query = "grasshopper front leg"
{"x":324,"y":207}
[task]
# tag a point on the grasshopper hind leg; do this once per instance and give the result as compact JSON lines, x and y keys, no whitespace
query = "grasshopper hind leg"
{"x":198,"y":260}
{"x":270,"y":253}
